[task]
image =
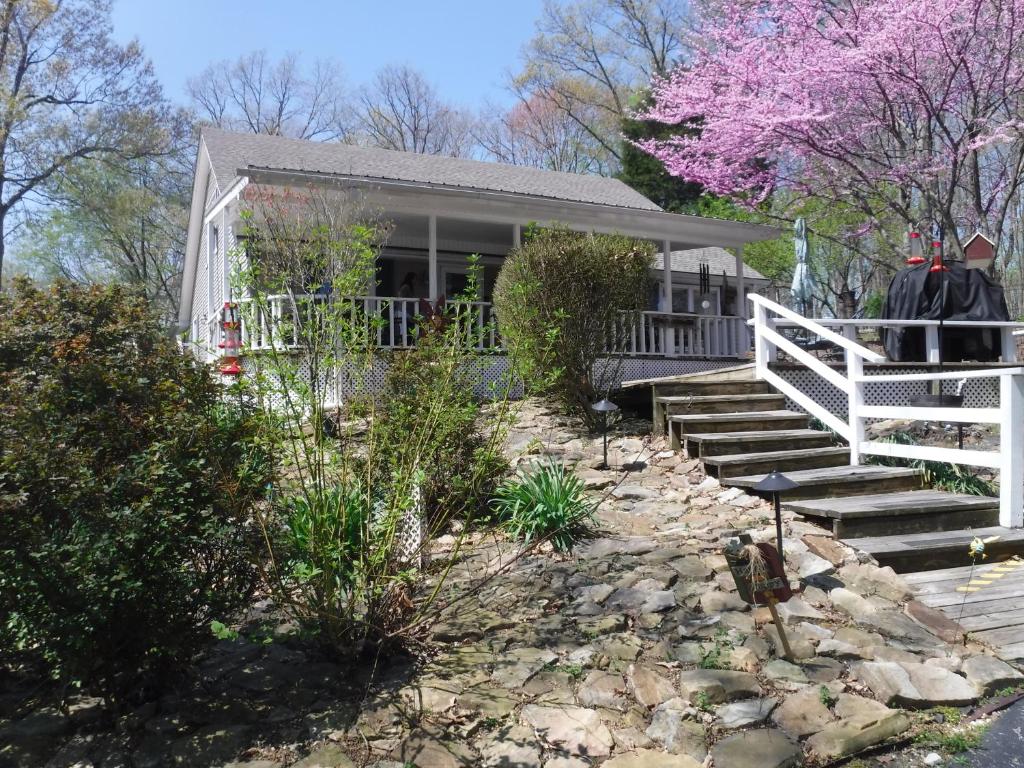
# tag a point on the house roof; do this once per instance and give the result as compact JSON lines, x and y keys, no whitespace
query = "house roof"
{"x":718,"y":260}
{"x":230,"y":152}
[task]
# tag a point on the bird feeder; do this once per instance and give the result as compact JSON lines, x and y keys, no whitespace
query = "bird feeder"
{"x":231,"y":345}
{"x":916,"y":250}
{"x":979,"y":252}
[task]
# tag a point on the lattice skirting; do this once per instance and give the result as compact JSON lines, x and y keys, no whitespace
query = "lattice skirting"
{"x":492,"y":375}
{"x":978,"y":393}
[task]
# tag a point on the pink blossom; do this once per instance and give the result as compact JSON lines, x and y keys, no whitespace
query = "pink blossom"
{"x":851,"y":99}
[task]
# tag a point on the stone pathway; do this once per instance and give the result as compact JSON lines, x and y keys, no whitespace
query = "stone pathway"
{"x":636,"y":652}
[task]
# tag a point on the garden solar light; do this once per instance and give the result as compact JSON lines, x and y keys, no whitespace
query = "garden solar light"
{"x":775,"y":483}
{"x":604,"y":407}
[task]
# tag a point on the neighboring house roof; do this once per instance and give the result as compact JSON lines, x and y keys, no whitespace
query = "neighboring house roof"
{"x":230,"y":152}
{"x":718,"y":260}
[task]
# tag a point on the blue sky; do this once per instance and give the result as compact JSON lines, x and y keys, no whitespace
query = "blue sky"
{"x":464,"y":47}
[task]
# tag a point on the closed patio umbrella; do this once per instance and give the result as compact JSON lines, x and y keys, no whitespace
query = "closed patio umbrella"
{"x":802,"y":288}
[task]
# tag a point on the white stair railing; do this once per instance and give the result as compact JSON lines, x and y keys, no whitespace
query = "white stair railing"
{"x":1009,"y":415}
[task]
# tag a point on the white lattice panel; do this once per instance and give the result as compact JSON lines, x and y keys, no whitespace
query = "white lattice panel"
{"x":978,"y":393}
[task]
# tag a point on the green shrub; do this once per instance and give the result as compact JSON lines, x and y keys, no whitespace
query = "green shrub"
{"x":432,"y":385}
{"x":126,"y":489}
{"x":546,"y":503}
{"x":561,"y":299}
{"x":360,"y":501}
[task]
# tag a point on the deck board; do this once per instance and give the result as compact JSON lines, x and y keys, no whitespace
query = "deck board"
{"x":993,"y":613}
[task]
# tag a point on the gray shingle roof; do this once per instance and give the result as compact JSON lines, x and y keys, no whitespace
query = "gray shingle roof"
{"x":231,"y":151}
{"x":718,"y":260}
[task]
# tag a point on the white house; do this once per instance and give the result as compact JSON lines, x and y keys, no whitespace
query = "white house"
{"x":442,"y":210}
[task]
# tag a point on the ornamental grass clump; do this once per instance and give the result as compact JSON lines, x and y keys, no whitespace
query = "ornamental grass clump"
{"x":546,"y":503}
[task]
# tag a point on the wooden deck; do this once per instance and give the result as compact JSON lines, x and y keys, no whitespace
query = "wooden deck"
{"x":990,"y":606}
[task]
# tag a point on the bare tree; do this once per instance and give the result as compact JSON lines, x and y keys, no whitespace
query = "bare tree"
{"x":400,"y":110}
{"x":590,"y":57}
{"x":69,"y":93}
{"x":118,"y":219}
{"x":281,"y":98}
{"x":537,"y":133}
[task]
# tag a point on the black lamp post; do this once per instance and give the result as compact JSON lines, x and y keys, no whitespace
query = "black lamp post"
{"x":604,"y":407}
{"x":774,"y":483}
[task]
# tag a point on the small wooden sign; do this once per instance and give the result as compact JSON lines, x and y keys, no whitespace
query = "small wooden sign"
{"x":771,"y":587}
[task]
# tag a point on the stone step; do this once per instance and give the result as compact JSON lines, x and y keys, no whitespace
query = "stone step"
{"x":885,"y":514}
{"x":933,"y":550}
{"x":838,"y":482}
{"x":742,"y":421}
{"x":675,"y":405}
{"x":701,"y":445}
{"x":736,"y":464}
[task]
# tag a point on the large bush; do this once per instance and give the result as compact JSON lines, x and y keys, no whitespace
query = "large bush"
{"x":126,"y":485}
{"x":562,"y":299}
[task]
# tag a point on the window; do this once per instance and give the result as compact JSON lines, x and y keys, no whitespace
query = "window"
{"x":212,"y":251}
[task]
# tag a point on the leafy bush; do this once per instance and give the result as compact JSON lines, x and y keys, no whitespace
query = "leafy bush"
{"x":562,"y":298}
{"x":432,"y":386}
{"x":360,"y":500}
{"x":546,"y":503}
{"x":126,"y":489}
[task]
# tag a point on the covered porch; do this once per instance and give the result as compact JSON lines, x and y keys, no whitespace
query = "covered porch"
{"x":435,"y":230}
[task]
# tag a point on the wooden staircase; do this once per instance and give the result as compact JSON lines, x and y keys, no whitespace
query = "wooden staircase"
{"x":740,"y":429}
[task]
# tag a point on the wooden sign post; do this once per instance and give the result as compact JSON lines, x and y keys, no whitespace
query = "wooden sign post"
{"x":760,"y":579}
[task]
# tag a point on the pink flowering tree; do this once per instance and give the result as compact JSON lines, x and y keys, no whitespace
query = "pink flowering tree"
{"x":912,"y":109}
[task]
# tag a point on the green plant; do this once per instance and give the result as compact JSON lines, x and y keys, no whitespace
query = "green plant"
{"x":702,"y":701}
{"x":715,"y":657}
{"x":546,"y":503}
{"x":954,"y":741}
{"x":562,"y":299}
{"x":575,"y":671}
{"x":945,"y":477}
{"x":128,"y":488}
{"x":825,"y":697}
{"x":362,"y":490}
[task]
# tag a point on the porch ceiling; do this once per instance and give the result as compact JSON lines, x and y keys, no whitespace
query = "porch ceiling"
{"x":684,"y":231}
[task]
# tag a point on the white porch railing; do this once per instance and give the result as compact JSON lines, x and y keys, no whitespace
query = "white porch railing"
{"x":851,"y":329}
{"x":671,"y":334}
{"x":395,"y":323}
{"x":391,"y":321}
{"x":1009,"y":459}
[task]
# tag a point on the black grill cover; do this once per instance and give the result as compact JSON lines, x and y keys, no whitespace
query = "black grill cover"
{"x":970,"y":295}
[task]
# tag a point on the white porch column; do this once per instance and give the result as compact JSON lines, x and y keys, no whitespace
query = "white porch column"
{"x":517,"y":235}
{"x":667,"y":341}
{"x":666,"y":287}
{"x":741,"y":288}
{"x":742,"y":311}
{"x":432,"y":257}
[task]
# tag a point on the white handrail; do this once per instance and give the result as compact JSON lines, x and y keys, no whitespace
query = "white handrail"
{"x":818,"y":330}
{"x":1009,"y":415}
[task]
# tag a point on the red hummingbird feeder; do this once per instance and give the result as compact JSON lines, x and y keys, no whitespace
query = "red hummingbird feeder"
{"x":232,"y":343}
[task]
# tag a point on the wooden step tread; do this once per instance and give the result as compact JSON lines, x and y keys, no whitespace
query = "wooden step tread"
{"x":707,"y":418}
{"x":701,"y":399}
{"x":934,"y":542}
{"x":833,"y":476}
{"x":887,"y":504}
{"x":767,"y":435}
{"x":800,"y":453}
